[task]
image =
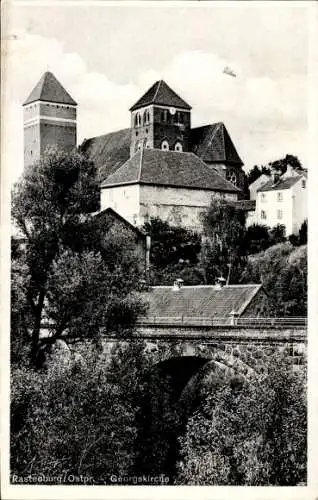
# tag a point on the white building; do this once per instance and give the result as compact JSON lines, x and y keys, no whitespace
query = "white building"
{"x":282,"y":200}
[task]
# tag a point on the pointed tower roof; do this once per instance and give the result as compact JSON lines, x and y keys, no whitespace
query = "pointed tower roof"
{"x":49,"y":89}
{"x":212,"y":143}
{"x":160,"y":93}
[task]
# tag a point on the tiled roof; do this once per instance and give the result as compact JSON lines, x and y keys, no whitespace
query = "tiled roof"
{"x":109,"y":151}
{"x":110,"y":214}
{"x":246,"y":205}
{"x":212,"y":143}
{"x":280,"y":184}
{"x":200,"y":301}
{"x":49,"y":89}
{"x":160,"y":93}
{"x":157,"y":167}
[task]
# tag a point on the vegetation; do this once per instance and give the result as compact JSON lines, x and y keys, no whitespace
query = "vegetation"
{"x":223,"y":251}
{"x":66,"y":271}
{"x":283,"y":271}
{"x":277,"y":165}
{"x":248,"y":431}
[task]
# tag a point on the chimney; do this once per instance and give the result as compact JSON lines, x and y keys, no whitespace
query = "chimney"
{"x":220,"y":282}
{"x":178,"y":284}
{"x":275,"y":176}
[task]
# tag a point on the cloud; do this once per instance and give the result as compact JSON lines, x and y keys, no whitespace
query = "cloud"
{"x":265,"y":117}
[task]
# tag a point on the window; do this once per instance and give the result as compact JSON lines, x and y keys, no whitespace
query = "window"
{"x":164,"y":115}
{"x":165,"y":145}
{"x":263,"y":214}
{"x":147,"y":145}
{"x":279,"y":196}
{"x":137,"y":146}
{"x":136,"y":120}
{"x":279,"y":214}
{"x":263,"y":197}
{"x":231,"y":176}
{"x":303,"y":183}
{"x":178,"y":147}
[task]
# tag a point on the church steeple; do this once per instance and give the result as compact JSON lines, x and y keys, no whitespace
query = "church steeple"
{"x":160,"y":119}
{"x":49,"y":119}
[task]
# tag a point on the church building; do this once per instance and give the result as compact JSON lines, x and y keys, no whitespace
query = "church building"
{"x":158,"y":167}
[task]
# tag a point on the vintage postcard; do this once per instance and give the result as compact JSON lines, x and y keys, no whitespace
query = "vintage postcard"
{"x":158,"y":185}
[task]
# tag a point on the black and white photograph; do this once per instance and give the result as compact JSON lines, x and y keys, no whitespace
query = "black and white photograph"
{"x":156,"y":164}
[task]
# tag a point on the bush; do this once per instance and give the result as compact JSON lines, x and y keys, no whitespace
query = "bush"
{"x":75,"y":418}
{"x":251,"y":433}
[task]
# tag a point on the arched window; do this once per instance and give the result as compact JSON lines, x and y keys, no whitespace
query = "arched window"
{"x":231,"y":176}
{"x":144,"y":118}
{"x":139,"y":119}
{"x":136,"y":120}
{"x":178,"y":147}
{"x":165,"y":145}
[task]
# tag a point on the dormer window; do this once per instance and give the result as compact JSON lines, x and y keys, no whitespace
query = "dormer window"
{"x":178,"y":147}
{"x":165,"y":146}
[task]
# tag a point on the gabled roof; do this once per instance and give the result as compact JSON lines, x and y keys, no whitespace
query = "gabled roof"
{"x":246,"y":205}
{"x":109,"y":151}
{"x":110,"y":214}
{"x":212,"y":143}
{"x":200,"y":301}
{"x":49,"y":89}
{"x":168,"y":168}
{"x":160,"y":93}
{"x":279,"y":185}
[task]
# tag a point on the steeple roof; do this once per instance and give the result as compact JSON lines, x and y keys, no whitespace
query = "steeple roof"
{"x":213,"y":144}
{"x":161,"y":93}
{"x":49,"y":89}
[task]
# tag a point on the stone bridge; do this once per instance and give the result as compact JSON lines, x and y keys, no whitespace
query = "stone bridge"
{"x":182,"y":347}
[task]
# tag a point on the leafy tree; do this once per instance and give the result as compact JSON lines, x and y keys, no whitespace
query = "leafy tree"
{"x":248,"y":431}
{"x":63,"y":274}
{"x":281,"y":165}
{"x":223,"y":249}
{"x":257,"y":238}
{"x":174,"y":253}
{"x":256,"y":172}
{"x":301,"y":237}
{"x":77,"y":417}
{"x":283,"y":272}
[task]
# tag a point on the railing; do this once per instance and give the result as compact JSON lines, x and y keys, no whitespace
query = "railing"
{"x":291,"y":322}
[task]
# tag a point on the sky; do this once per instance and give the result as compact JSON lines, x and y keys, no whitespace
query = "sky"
{"x":107,"y":56}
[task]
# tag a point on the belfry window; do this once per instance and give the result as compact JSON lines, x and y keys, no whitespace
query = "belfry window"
{"x":165,"y":146}
{"x":231,"y":176}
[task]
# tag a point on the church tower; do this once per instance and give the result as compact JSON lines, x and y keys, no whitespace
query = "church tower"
{"x":49,"y":119}
{"x":160,"y":119}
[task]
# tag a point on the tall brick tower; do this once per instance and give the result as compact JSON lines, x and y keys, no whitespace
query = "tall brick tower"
{"x":49,"y":119}
{"x":160,"y":119}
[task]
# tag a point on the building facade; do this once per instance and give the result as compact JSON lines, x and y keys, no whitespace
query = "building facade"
{"x":159,"y":167}
{"x":49,"y":119}
{"x":282,"y":199}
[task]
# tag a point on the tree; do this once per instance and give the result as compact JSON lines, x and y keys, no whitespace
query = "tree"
{"x":224,"y":249}
{"x":283,"y":271}
{"x":64,"y":275}
{"x":77,"y":417}
{"x":248,"y":431}
{"x":174,"y":253}
{"x":256,"y":172}
{"x":301,"y":237}
{"x":281,"y":165}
